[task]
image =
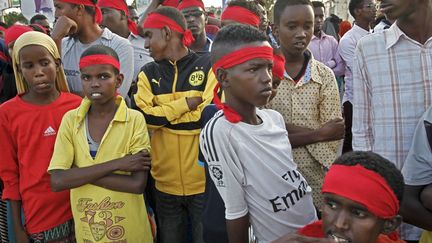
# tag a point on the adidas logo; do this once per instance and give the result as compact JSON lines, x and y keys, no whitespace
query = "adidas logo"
{"x":49,"y":132}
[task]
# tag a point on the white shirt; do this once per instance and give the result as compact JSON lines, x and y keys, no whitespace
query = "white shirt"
{"x":253,"y":170}
{"x":72,"y":49}
{"x":347,"y":46}
{"x":141,"y":55}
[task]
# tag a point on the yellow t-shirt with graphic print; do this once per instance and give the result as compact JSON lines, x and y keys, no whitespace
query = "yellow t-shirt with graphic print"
{"x":103,"y":215}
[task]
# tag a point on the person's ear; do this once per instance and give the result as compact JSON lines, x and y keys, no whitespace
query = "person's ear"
{"x":222,"y":77}
{"x":166,"y":33}
{"x":57,"y":63}
{"x":119,"y":80}
{"x":392,"y":224}
{"x":80,"y":9}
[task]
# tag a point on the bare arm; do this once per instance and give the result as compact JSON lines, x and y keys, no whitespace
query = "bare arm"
{"x":75,"y":177}
{"x":238,"y":229}
{"x":20,"y":233}
{"x":301,"y":136}
{"x":63,"y":27}
{"x":413,"y":211}
{"x":134,"y":183}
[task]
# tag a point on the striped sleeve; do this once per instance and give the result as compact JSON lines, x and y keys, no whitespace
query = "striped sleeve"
{"x":218,"y":149}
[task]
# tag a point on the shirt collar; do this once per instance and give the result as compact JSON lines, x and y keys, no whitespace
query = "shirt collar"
{"x":121,"y":115}
{"x":357,"y":28}
{"x":312,"y":72}
{"x":323,"y":36}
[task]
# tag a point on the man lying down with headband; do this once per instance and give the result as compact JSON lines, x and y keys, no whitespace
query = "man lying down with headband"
{"x":362,"y":193}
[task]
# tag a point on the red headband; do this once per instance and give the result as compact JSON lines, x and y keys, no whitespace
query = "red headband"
{"x":158,"y":21}
{"x":243,"y":55}
{"x":98,"y":59}
{"x":230,"y":60}
{"x":358,"y":184}
{"x":98,"y":13}
{"x":241,"y":15}
{"x":121,"y":6}
{"x":278,"y":66}
{"x":191,"y":3}
{"x":14,"y":32}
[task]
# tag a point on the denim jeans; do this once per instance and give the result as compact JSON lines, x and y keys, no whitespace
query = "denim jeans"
{"x":173,"y":213}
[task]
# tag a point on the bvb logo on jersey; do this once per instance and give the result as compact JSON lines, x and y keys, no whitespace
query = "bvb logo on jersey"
{"x":196,"y":78}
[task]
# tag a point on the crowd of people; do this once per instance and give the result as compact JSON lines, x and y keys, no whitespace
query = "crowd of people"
{"x":176,"y":125}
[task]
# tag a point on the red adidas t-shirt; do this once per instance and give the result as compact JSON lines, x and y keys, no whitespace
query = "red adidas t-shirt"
{"x":27,"y":137}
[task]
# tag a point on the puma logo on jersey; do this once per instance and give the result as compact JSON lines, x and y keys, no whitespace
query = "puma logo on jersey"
{"x":156,"y":81}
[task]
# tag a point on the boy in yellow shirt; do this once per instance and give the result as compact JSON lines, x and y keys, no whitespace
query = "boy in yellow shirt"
{"x":101,"y":154}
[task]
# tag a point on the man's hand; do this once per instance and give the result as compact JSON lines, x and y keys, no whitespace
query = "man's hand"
{"x":193,"y":102}
{"x":332,"y":130}
{"x":296,"y":238}
{"x":63,"y":27}
{"x":136,"y":162}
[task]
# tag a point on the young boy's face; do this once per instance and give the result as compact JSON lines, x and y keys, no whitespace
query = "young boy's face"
{"x":100,"y":82}
{"x":38,"y":68}
{"x":155,"y":42}
{"x":250,"y":83}
{"x":348,"y":221}
{"x":295,"y":28}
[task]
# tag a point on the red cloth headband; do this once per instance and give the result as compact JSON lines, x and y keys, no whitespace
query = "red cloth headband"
{"x":98,"y":59}
{"x":158,"y":21}
{"x":243,"y":55}
{"x":230,"y":60}
{"x":14,"y":32}
{"x":241,"y":15}
{"x":362,"y":186}
{"x":278,"y":66}
{"x":98,"y":13}
{"x":191,"y":3}
{"x":120,"y":5}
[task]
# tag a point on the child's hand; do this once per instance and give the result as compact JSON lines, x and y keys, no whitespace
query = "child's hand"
{"x":296,"y":238}
{"x":333,"y":130}
{"x":140,"y":161}
{"x":193,"y":102}
{"x":63,"y":27}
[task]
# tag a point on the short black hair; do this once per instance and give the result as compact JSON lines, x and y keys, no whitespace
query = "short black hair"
{"x":249,"y":5}
{"x":318,"y":4}
{"x":280,"y":6}
{"x":378,"y":164}
{"x":173,"y":14}
{"x":37,"y":17}
{"x":229,"y":37}
{"x":353,"y":5}
{"x":101,"y":50}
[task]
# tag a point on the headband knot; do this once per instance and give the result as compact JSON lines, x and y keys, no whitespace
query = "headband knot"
{"x":278,"y":66}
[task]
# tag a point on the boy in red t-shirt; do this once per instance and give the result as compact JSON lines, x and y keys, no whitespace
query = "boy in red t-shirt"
{"x":28,"y":128}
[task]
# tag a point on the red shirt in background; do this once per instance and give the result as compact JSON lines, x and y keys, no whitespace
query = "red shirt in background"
{"x":170,"y":3}
{"x":27,"y":137}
